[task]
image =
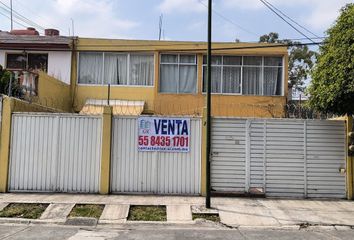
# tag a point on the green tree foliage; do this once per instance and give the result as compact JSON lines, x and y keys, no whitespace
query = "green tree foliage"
{"x":332,"y":86}
{"x":16,"y":89}
{"x":301,"y":60}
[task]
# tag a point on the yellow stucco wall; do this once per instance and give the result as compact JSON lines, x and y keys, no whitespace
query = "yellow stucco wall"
{"x":191,"y":104}
{"x":53,"y":93}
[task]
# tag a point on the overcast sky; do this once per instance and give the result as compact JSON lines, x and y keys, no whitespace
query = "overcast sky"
{"x":182,"y":19}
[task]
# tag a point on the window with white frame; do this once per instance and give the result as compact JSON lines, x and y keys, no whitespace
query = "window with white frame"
{"x":247,"y":75}
{"x":178,"y":73}
{"x":116,"y":68}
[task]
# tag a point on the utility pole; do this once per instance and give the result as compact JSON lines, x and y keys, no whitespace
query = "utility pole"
{"x":160,"y":26}
{"x":12,"y":26}
{"x":208,"y":135}
{"x":72,"y":26}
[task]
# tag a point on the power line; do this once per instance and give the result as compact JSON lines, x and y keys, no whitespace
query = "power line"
{"x":41,"y":17}
{"x":292,"y":20}
{"x":300,"y":39}
{"x":255,"y":47}
{"x":270,"y":8}
{"x":21,"y":17}
{"x":13,"y":20}
{"x":244,"y":29}
{"x":228,"y":20}
{"x":17,"y":17}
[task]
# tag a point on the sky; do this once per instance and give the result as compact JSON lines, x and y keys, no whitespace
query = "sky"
{"x":245,"y":20}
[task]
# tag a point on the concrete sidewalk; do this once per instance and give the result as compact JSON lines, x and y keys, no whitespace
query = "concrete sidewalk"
{"x":233,"y":212}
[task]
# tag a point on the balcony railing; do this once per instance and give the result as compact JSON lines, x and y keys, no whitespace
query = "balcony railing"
{"x":26,"y":83}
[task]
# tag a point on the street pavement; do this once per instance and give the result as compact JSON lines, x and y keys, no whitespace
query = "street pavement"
{"x":233,"y":212}
{"x":240,"y":218}
{"x":156,"y":232}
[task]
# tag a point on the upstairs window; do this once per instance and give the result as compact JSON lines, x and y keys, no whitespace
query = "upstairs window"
{"x":116,"y":69}
{"x":225,"y":74}
{"x":178,"y":73}
{"x":247,"y":75}
{"x":27,"y":61}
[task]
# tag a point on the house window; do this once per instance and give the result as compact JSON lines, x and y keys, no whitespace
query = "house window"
{"x":247,"y":75}
{"x":252,"y":76}
{"x":27,"y":61}
{"x":178,"y":73}
{"x":272,"y":76}
{"x":225,"y":74}
{"x":116,"y":68}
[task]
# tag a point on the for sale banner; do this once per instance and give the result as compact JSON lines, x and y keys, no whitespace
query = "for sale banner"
{"x":163,"y":134}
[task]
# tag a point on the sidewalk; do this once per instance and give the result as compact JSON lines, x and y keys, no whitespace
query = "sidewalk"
{"x":233,"y":212}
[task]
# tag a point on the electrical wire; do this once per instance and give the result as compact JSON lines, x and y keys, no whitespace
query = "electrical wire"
{"x":41,"y":17}
{"x":270,"y":8}
{"x":229,"y":20}
{"x":244,"y":29}
{"x":316,"y":36}
{"x":20,"y":16}
{"x":16,"y":17}
{"x":12,"y":20}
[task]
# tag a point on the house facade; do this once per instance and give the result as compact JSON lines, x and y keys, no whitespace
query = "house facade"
{"x":161,"y":77}
{"x":169,"y":76}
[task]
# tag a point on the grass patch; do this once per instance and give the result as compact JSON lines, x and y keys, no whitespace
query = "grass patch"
{"x":87,"y":210}
{"x":147,"y":213}
{"x":207,"y":216}
{"x":23,"y":210}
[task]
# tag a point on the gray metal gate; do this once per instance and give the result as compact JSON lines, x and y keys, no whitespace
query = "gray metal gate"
{"x":55,"y":153}
{"x":153,"y":172}
{"x":279,"y":157}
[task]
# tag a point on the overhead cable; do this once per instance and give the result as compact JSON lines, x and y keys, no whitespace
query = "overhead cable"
{"x":304,"y":28}
{"x":275,"y":12}
{"x":20,"y":16}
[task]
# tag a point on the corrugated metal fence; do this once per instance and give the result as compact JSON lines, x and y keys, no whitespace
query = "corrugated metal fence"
{"x":153,"y":172}
{"x":55,"y":152}
{"x":279,"y":157}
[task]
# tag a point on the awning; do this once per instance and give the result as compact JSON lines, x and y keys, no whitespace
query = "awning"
{"x":119,"y":107}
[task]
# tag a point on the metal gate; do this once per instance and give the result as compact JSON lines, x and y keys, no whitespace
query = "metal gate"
{"x":279,"y":157}
{"x":153,"y":172}
{"x":55,"y":153}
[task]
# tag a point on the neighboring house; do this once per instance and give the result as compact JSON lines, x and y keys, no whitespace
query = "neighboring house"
{"x":156,"y":77}
{"x":41,"y":64}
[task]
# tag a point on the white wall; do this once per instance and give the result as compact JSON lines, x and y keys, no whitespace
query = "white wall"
{"x":59,"y":63}
{"x":2,"y":58}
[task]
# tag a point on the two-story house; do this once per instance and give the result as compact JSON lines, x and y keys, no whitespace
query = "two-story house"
{"x":155,"y":77}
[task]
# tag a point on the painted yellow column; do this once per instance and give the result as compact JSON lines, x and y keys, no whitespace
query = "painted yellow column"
{"x":5,"y":143}
{"x":106,"y":150}
{"x":350,"y":159}
{"x":204,"y":158}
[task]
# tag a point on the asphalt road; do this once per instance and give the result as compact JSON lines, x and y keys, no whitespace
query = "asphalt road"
{"x":41,"y":232}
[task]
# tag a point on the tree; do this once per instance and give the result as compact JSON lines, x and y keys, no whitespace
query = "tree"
{"x":332,"y":86}
{"x":301,"y":60}
{"x":272,"y":37}
{"x":5,"y":76}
